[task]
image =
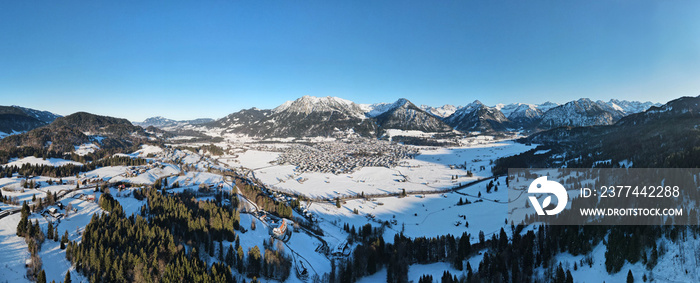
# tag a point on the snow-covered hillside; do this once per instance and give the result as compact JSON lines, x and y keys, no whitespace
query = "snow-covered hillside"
{"x":582,"y":112}
{"x":442,"y":111}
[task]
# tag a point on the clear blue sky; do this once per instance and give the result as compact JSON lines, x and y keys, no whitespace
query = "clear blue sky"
{"x":188,"y":59}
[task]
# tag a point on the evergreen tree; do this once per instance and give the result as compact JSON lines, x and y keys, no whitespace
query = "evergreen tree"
{"x":569,"y":278}
{"x":230,"y":256}
{"x":22,"y":226}
{"x":49,"y":231}
{"x":560,"y":276}
{"x":426,"y":278}
{"x":41,"y":278}
{"x":221,"y":250}
{"x":239,"y":261}
{"x":64,"y":240}
{"x":67,"y":278}
{"x":23,"y":222}
{"x":254,"y":258}
{"x":630,"y":277}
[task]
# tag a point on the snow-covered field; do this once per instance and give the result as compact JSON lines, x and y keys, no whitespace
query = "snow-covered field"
{"x":86,"y":148}
{"x":427,"y":215}
{"x":415,"y":271}
{"x":14,"y":249}
{"x":39,"y":161}
{"x":253,"y":159}
{"x":432,"y":170}
{"x":144,"y":151}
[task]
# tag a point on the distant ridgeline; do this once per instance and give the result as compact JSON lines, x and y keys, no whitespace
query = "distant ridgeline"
{"x":112,"y":135}
{"x":311,"y":117}
{"x":15,"y":119}
{"x":664,"y":136}
{"x":329,"y":116}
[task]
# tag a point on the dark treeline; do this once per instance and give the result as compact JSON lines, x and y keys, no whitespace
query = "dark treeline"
{"x":514,"y":260}
{"x":210,"y":148}
{"x":69,"y":169}
{"x":373,"y":254}
{"x":505,"y":259}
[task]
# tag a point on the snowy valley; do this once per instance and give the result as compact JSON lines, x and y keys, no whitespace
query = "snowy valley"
{"x":373,"y":193}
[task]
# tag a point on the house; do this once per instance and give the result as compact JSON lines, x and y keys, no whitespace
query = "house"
{"x":280,"y":230}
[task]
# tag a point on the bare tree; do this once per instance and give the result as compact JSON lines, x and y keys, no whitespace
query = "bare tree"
{"x":69,"y":209}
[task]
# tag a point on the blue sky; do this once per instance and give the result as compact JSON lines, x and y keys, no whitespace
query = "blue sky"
{"x":188,"y":59}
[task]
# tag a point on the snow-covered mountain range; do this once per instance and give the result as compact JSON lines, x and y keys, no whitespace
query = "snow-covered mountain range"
{"x":477,"y":117}
{"x":323,"y":116}
{"x":578,"y":113}
{"x":442,"y":111}
{"x":404,"y":115}
{"x":162,"y":122}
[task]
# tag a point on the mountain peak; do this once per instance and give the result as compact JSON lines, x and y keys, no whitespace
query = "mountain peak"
{"x":376,"y":109}
{"x":401,"y":101}
{"x":442,"y":111}
{"x":580,"y":113}
{"x":404,"y":115}
{"x":308,"y":104}
{"x":477,"y":117}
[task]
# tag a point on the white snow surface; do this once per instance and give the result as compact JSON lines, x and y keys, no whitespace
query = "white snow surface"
{"x":415,"y":271}
{"x":39,"y":161}
{"x":428,"y":215}
{"x":86,"y":148}
{"x":14,"y":251}
{"x":144,"y":151}
{"x":429,"y":171}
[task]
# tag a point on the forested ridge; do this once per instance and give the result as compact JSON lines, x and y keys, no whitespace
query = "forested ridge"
{"x":171,"y":241}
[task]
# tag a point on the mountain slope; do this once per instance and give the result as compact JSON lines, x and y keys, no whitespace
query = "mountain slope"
{"x":16,"y":119}
{"x":44,"y":116}
{"x":442,"y":111}
{"x":631,"y":107}
{"x":76,"y":129}
{"x":478,"y":117}
{"x":665,"y":136}
{"x":305,"y":117}
{"x":404,"y":115}
{"x":162,"y":122}
{"x":241,"y":120}
{"x":579,"y":113}
{"x":525,"y":116}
